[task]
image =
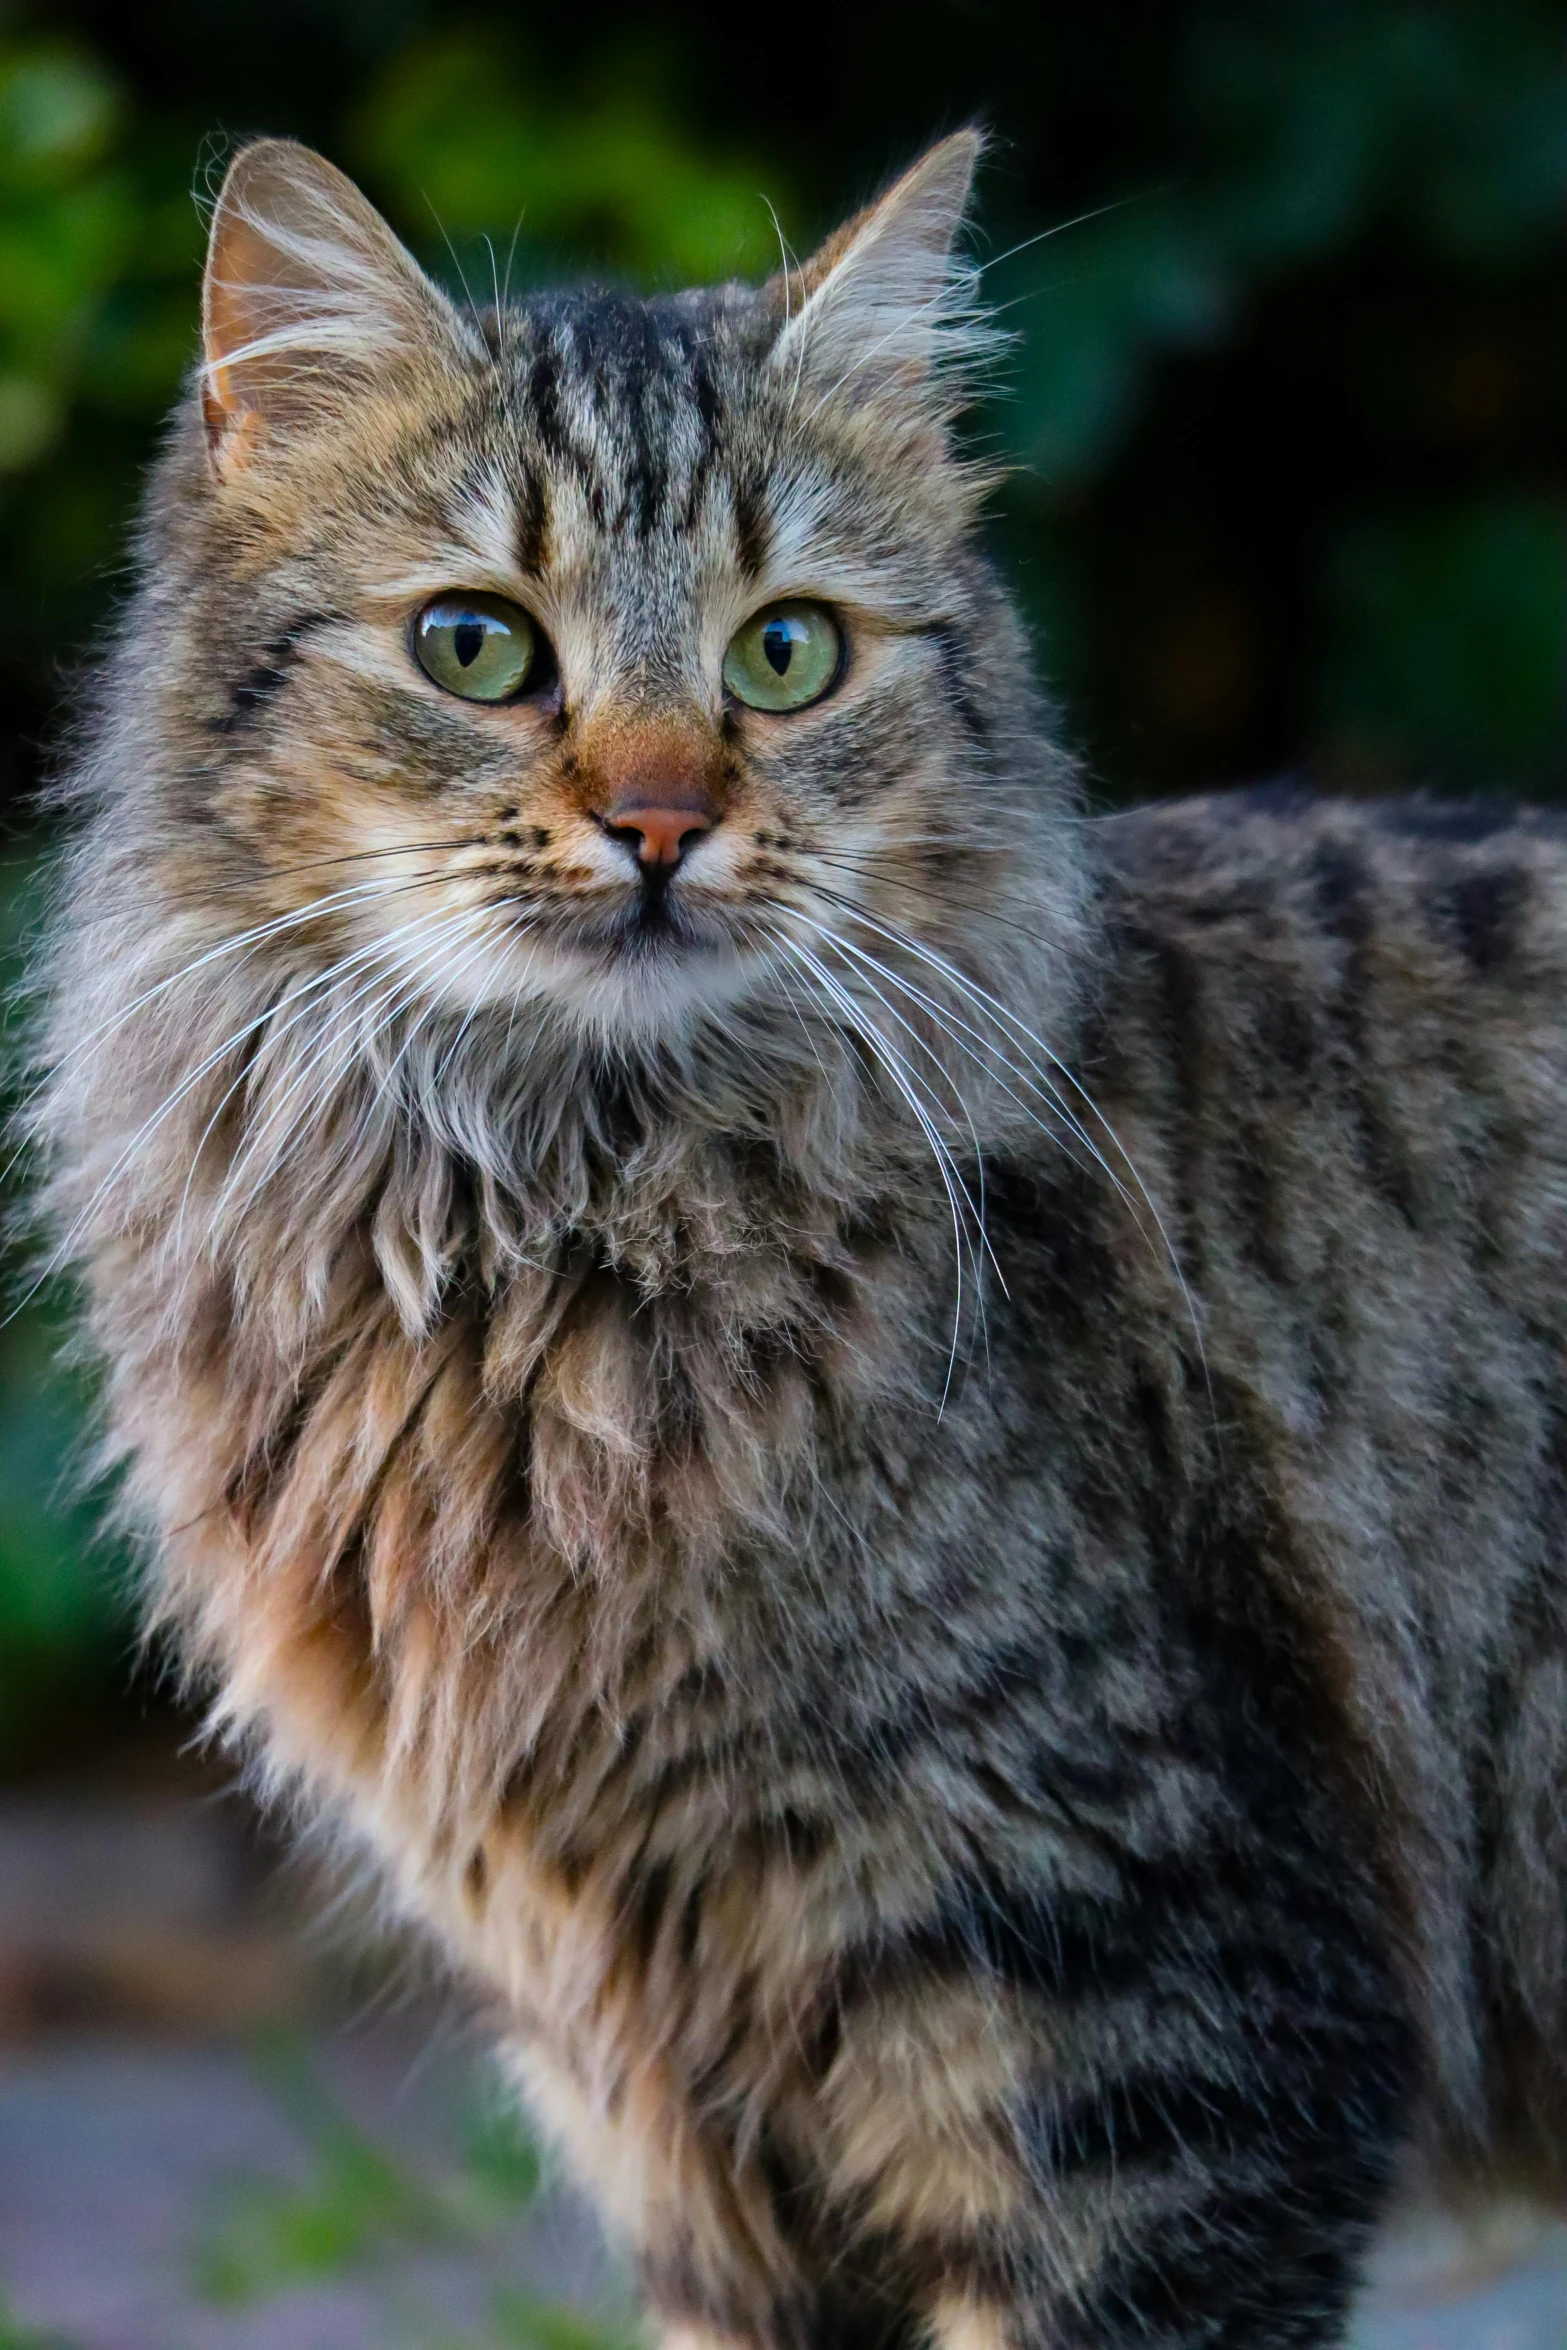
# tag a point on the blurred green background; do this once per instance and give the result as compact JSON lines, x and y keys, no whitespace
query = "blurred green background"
{"x":1286,"y":414}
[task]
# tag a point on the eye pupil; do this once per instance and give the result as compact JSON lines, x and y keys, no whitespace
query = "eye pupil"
{"x":785,"y":658}
{"x":483,"y":648}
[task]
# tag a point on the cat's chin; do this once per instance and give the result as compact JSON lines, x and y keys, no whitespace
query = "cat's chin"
{"x":652,"y":993}
{"x":629,"y":987}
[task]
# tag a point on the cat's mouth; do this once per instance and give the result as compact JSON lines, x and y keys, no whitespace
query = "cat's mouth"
{"x":652,"y":923}
{"x":636,"y":967}
{"x":665,"y":938}
{"x":661,"y":923}
{"x":630,"y":959}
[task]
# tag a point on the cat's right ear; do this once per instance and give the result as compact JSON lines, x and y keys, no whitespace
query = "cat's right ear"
{"x":307,"y":296}
{"x":889,"y":317}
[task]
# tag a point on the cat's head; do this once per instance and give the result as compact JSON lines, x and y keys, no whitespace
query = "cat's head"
{"x":616,"y":658}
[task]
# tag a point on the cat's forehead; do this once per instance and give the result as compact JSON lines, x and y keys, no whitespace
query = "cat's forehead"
{"x":628,"y":408}
{"x":653,"y":468}
{"x":635,"y":465}
{"x":615,"y":349}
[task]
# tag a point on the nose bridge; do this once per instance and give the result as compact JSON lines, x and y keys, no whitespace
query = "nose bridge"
{"x":669,"y":759}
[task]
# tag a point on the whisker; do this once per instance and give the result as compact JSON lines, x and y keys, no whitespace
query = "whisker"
{"x":852,"y":862}
{"x":907,"y":1086}
{"x":953,"y":1025}
{"x":310,"y":989}
{"x":511,"y":255}
{"x":1078,"y":220}
{"x":453,"y":1048}
{"x":868,"y":962}
{"x":1033,"y":1077}
{"x":783,"y":251}
{"x":61,"y":1255}
{"x":409,"y":985}
{"x":462,"y":275}
{"x":977,"y":1209}
{"x":1021,"y":1036}
{"x":1028,"y":1038}
{"x":412,"y":848}
{"x":778,"y":972}
{"x":358,"y":893}
{"x":495,"y":281}
{"x":427,"y":1014}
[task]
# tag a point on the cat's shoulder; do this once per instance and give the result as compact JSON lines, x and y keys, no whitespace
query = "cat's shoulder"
{"x":1475,"y":875}
{"x":1210,"y":838}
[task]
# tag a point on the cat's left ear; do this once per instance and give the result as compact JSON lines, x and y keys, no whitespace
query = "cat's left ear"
{"x":885,"y":312}
{"x":307,"y":298}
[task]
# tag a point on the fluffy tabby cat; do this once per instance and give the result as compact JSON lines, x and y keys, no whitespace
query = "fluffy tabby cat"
{"x":902,"y":1459}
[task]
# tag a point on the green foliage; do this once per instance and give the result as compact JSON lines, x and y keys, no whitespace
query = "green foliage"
{"x":64,"y":223}
{"x":523,"y":2323}
{"x":1449,"y":120}
{"x":463,"y":135}
{"x":15,"y":2336}
{"x":1308,"y":131}
{"x":359,"y":2211}
{"x":1126,"y":289}
{"x":1456,"y":621}
{"x":356,"y":2202}
{"x":64,"y":1621}
{"x":501,"y":2161}
{"x":99,"y":250}
{"x":356,"y":2199}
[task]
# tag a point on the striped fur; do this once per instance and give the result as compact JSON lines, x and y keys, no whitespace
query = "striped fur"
{"x":921,"y":1518}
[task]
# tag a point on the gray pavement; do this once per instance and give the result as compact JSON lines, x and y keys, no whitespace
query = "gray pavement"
{"x":172,"y":2197}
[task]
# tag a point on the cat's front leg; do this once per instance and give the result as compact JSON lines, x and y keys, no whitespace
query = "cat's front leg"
{"x":971,"y":2321}
{"x":686,"y":2334}
{"x":1166,"y":2117}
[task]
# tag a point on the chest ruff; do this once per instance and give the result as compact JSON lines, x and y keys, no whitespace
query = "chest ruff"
{"x":484,"y":1594}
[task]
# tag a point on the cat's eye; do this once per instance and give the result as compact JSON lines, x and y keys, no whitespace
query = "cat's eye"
{"x":481,"y":647}
{"x":784,"y":657}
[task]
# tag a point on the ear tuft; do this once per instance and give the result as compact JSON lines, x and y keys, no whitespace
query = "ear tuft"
{"x":889,"y":315}
{"x":306,"y":294}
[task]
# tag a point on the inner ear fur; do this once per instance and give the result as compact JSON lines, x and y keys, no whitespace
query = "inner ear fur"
{"x":884,"y":310}
{"x":306,"y":295}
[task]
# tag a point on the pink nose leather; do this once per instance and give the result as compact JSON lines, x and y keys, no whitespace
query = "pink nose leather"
{"x":662,"y":834}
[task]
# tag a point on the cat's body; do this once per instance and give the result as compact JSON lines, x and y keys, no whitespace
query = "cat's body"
{"x":999,"y":1797}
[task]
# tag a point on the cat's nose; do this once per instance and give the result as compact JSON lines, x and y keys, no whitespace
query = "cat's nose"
{"x":658,"y":836}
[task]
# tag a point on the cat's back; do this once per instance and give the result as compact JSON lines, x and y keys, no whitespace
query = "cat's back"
{"x":1376,"y":988}
{"x":1334,"y":1039}
{"x":1460,"y":896}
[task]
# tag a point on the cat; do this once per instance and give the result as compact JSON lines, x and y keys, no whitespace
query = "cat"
{"x":897,"y":1457}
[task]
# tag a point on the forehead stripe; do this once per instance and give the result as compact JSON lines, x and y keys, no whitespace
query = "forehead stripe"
{"x":753,"y":528}
{"x":612,"y":391}
{"x":533,"y":521}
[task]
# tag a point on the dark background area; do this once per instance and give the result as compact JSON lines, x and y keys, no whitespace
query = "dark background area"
{"x":1285,"y":415}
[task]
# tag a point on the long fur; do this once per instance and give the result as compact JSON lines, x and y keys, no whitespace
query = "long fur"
{"x":919,"y":1516}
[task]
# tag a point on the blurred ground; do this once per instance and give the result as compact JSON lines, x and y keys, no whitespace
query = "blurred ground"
{"x":161,"y":2197}
{"x":216,"y":2135}
{"x":1506,"y":2292}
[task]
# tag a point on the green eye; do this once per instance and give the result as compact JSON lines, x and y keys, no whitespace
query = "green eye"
{"x":785,"y":657}
{"x":478,"y":646}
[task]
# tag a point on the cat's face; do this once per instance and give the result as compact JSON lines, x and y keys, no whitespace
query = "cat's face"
{"x":603,"y":654}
